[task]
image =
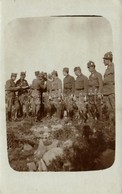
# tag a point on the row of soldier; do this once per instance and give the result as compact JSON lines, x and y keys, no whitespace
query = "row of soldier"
{"x":46,"y":90}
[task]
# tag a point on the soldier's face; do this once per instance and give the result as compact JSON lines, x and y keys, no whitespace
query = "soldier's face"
{"x":22,"y":76}
{"x":77,"y":73}
{"x":53,"y":76}
{"x":40,"y":77}
{"x":91,"y":68}
{"x":13,"y":78}
{"x":64,"y":73}
{"x":106,"y":62}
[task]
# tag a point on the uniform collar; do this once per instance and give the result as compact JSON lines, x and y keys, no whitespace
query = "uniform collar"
{"x":94,"y":72}
{"x":110,"y":65}
{"x":67,"y":75}
{"x":80,"y":75}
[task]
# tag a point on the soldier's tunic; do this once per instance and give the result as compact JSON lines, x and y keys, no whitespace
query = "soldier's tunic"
{"x":55,"y":89}
{"x":95,"y":89}
{"x":23,"y":96}
{"x":69,"y":85}
{"x":37,"y":87}
{"x":10,"y":94}
{"x":68,"y":90}
{"x":95,"y":83}
{"x":46,"y":102}
{"x":109,"y":87}
{"x":81,"y":90}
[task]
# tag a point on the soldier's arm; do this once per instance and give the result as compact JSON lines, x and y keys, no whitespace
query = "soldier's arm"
{"x":8,"y":87}
{"x":111,"y":70}
{"x":100,"y":83}
{"x":86,"y":85}
{"x":49,"y":87}
{"x":60,"y":87}
{"x":63,"y":87}
{"x":73,"y":85}
{"x":32,"y":85}
{"x":26,"y":87}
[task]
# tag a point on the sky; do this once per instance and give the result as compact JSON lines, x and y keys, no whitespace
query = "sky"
{"x":52,"y":43}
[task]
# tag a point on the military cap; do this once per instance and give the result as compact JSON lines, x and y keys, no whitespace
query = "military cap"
{"x":66,"y":69}
{"x":13,"y":74}
{"x":77,"y":68}
{"x":54,"y":73}
{"x":23,"y":73}
{"x":108,"y":55}
{"x":37,"y":73}
{"x":90,"y":64}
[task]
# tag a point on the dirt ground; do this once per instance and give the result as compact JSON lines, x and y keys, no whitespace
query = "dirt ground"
{"x":99,"y":154}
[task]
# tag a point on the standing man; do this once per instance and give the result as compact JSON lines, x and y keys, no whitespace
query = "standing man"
{"x":95,"y":87}
{"x":38,"y":86}
{"x":81,"y":89}
{"x":46,"y":97}
{"x":11,"y":94}
{"x":23,"y":95}
{"x":109,"y":83}
{"x":55,"y":92}
{"x":68,"y":91}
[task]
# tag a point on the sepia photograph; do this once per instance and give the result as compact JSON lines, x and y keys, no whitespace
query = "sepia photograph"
{"x":60,"y":93}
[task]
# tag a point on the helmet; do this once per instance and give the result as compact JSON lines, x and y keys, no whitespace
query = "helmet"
{"x":108,"y":55}
{"x":90,"y":64}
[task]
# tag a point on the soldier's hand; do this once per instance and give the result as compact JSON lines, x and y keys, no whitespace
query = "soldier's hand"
{"x":24,"y":87}
{"x":18,"y":87}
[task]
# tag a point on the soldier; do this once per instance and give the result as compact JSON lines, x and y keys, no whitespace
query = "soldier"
{"x":68,"y":92}
{"x":38,"y":86}
{"x":23,"y":95}
{"x":81,"y":90}
{"x":46,"y":97}
{"x":108,"y":82}
{"x":55,"y":91}
{"x":11,"y":94}
{"x":95,"y":87}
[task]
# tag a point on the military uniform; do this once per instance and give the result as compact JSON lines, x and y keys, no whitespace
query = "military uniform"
{"x":69,"y":85}
{"x":81,"y":90}
{"x":95,"y":88}
{"x":45,"y":96}
{"x":54,"y":88}
{"x":95,"y":83}
{"x":23,"y":96}
{"x":37,"y":87}
{"x":11,"y":89}
{"x":109,"y":84}
{"x":68,"y":92}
